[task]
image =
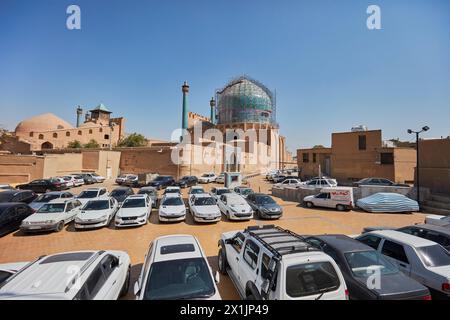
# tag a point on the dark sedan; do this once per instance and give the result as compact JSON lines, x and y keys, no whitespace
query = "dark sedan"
{"x":187,"y":181}
{"x":264,"y":206}
{"x":368,"y":275}
{"x":162,"y":182}
{"x":378,"y":182}
{"x":24,"y":196}
{"x":121,"y":193}
{"x":11,"y":216}
{"x":44,"y":185}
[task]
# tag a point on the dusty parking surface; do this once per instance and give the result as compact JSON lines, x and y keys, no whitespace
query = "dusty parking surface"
{"x":17,"y":247}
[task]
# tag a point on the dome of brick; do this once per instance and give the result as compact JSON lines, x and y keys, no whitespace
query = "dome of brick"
{"x":43,"y":122}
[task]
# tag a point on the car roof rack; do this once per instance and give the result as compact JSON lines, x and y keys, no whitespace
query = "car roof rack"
{"x":83,"y":269}
{"x":279,"y":241}
{"x":23,"y":269}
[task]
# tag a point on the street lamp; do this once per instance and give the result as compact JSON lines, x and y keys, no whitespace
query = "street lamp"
{"x":417,"y":133}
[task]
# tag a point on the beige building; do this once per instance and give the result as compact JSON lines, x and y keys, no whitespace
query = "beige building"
{"x":357,"y":155}
{"x":434,"y":159}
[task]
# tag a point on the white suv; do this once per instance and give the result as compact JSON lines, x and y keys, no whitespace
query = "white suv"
{"x":267,"y":262}
{"x":176,"y":267}
{"x":82,"y":275}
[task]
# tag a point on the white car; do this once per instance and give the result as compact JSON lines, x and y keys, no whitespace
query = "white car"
{"x":77,"y":180}
{"x":203,"y":208}
{"x":421,"y":259}
{"x":52,"y":216}
{"x":175,"y":268}
{"x":96,"y":177}
{"x":172,"y":189}
{"x":288,"y":183}
{"x":438,"y":220}
{"x":92,"y":193}
{"x":217,"y":192}
{"x":68,"y":180}
{"x":134,"y":211}
{"x":207,"y":178}
{"x":7,"y":270}
{"x":124,"y":177}
{"x":49,"y":196}
{"x":220,"y":178}
{"x":196,"y":190}
{"x":235,"y":207}
{"x":319,"y":183}
{"x":243,"y":191}
{"x":81,"y":275}
{"x":172,"y":208}
{"x":96,"y":213}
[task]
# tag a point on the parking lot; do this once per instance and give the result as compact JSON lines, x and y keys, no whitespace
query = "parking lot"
{"x":17,"y":247}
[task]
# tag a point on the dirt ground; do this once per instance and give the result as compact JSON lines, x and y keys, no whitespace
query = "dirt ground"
{"x":17,"y":247}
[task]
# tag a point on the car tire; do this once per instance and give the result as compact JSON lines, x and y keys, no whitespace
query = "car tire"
{"x":222,"y":262}
{"x":340,"y":207}
{"x":126,"y":285}
{"x":59,"y":226}
{"x":309,"y":204}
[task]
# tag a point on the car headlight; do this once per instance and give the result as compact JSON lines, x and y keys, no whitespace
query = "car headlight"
{"x":142,"y":216}
{"x":49,"y":221}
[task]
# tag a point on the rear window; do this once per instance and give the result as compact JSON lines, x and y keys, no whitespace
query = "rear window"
{"x":310,"y":279}
{"x":434,"y":256}
{"x":177,"y":248}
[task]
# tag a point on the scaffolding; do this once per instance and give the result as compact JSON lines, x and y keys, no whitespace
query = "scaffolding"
{"x":245,"y":100}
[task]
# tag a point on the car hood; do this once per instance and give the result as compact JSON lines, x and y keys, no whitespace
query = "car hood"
{"x":41,"y":217}
{"x":397,"y":286}
{"x":270,"y":206}
{"x":308,"y":198}
{"x":172,"y":209}
{"x":94,"y":214}
{"x":206,"y":209}
{"x":240,"y":207}
{"x":131,"y":212}
{"x":442,"y":271}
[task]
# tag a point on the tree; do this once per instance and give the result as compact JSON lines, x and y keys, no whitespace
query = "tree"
{"x":74,"y":145}
{"x":92,"y":144}
{"x":133,"y":140}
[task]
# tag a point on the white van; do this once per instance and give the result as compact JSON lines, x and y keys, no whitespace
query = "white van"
{"x":340,"y":198}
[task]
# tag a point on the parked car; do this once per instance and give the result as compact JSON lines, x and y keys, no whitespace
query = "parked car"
{"x":68,"y":180}
{"x":52,"y":216}
{"x":262,"y":267}
{"x":243,"y":191}
{"x":134,"y":211}
{"x":279,"y":178}
{"x":172,"y":208}
{"x":24,"y":196}
{"x":96,"y":177}
{"x":438,"y":220}
{"x":187,"y":181}
{"x":121,"y":193}
{"x":43,"y":185}
{"x":319,"y":183}
{"x":288,"y":183}
{"x":122,"y":178}
{"x":7,"y":270}
{"x":175,"y":268}
{"x":77,"y":180}
{"x":421,"y":259}
{"x":207,"y":178}
{"x":220,"y":178}
{"x":378,"y":182}
{"x":264,"y":206}
{"x":11,"y":216}
{"x":217,"y":192}
{"x":92,"y":193}
{"x":359,"y":263}
{"x":438,"y":234}
{"x":271,"y":174}
{"x":49,"y":196}
{"x":388,"y":203}
{"x":234,"y":207}
{"x":96,"y":213}
{"x":152,"y":193}
{"x":81,"y":275}
{"x":196,"y":190}
{"x":6,"y":187}
{"x":172,"y":189}
{"x":162,"y":182}
{"x":339,"y":198}
{"x":203,"y":208}
{"x":88,"y":179}
{"x":131,"y":181}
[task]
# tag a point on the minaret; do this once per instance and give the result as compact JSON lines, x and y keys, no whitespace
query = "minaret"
{"x":185,"y":89}
{"x":212,"y":103}
{"x":79,"y":114}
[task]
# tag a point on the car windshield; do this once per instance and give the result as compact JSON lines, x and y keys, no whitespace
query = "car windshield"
{"x":88,"y":194}
{"x":52,"y":208}
{"x":179,"y":279}
{"x":6,"y":196}
{"x":47,"y":197}
{"x":264,"y":200}
{"x":311,"y":279}
{"x":175,"y":201}
{"x":206,"y":201}
{"x":222,"y":191}
{"x":184,"y":179}
{"x":160,"y":178}
{"x":97,"y":205}
{"x":207,"y":175}
{"x":365,"y":263}
{"x":149,"y":192}
{"x":246,"y":191}
{"x":118,"y":192}
{"x":172,"y":191}
{"x":134,"y":203}
{"x":197,"y":191}
{"x":434,"y":256}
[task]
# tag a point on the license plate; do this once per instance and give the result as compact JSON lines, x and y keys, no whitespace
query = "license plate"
{"x":35,"y":227}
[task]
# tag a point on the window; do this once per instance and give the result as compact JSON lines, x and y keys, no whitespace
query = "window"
{"x":330,"y":251}
{"x":324,"y":195}
{"x":95,"y":281}
{"x":108,"y":264}
{"x":394,"y":251}
{"x":238,"y":242}
{"x":80,"y":133}
{"x":265,"y":261}
{"x":305,"y":157}
{"x":371,"y":241}
{"x":362,"y":142}
{"x":100,"y":130}
{"x":55,"y":135}
{"x":106,"y":136}
{"x":31,"y":134}
{"x":387,"y":158}
{"x":251,"y":252}
{"x":68,"y":134}
{"x":90,"y":131}
{"x":314,"y":157}
{"x":41,"y":136}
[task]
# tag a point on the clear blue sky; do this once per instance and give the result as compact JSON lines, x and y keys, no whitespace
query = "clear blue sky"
{"x":329,"y":70}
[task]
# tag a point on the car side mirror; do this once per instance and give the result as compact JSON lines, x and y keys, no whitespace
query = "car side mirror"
{"x":136,"y":288}
{"x":217,"y":277}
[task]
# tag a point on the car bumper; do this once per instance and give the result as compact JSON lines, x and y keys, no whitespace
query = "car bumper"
{"x":90,"y":225}
{"x":38,"y":227}
{"x":270,"y":216}
{"x":172,"y":218}
{"x":207,"y":219}
{"x":240,"y":216}
{"x":130,"y":223}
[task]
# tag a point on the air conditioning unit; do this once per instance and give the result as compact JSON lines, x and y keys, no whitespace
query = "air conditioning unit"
{"x":359,"y":128}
